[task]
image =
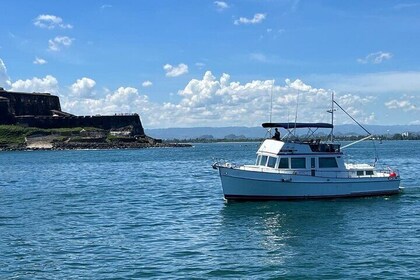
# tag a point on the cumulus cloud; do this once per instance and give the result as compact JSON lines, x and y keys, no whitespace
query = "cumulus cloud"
{"x":258,"y":18}
{"x":220,"y":101}
{"x":122,"y":100}
{"x":83,"y":87}
{"x":51,"y":22}
{"x":147,"y":84}
{"x":59,"y":42}
{"x":375,"y":58}
{"x":39,"y":61}
{"x":4,"y":78}
{"x":221,"y":5}
{"x":48,"y":84}
{"x":175,"y":71}
{"x":404,"y":105}
{"x":208,"y":101}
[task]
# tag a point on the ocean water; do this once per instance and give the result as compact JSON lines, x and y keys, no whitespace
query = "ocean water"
{"x":160,"y":214}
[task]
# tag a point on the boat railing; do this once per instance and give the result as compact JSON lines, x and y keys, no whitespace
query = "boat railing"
{"x":378,"y":173}
{"x":343,"y":174}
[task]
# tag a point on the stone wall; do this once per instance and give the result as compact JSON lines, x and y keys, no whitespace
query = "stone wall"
{"x":43,"y":110}
{"x":35,"y":104}
{"x":5,"y":116}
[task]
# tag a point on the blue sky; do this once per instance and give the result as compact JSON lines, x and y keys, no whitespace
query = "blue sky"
{"x":199,"y":63}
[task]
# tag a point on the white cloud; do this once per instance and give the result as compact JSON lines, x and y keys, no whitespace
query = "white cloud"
{"x":48,"y":84}
{"x":219,"y":101}
{"x":221,"y":5}
{"x":59,"y":42}
{"x":122,"y":100}
{"x":83,"y":88}
{"x":39,"y":61}
{"x":147,"y":84}
{"x":50,"y":22}
{"x":4,"y":78}
{"x":211,"y":101}
{"x":405,"y":105}
{"x":175,"y":71}
{"x":258,"y":18}
{"x":375,"y":58}
{"x":298,"y":85}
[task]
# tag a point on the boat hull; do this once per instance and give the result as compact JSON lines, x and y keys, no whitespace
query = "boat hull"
{"x":238,"y":184}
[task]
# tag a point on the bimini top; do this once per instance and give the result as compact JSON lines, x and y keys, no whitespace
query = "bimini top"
{"x":297,"y":125}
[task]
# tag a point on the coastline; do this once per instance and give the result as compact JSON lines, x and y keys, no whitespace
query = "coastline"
{"x":18,"y":138}
{"x":91,"y":146}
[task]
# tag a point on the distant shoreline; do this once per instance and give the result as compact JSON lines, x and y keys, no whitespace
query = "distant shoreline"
{"x":93,"y":146}
{"x":247,"y":140}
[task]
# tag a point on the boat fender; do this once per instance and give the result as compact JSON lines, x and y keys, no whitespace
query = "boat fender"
{"x":392,"y":176}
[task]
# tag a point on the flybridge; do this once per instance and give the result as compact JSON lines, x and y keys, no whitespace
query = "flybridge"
{"x":290,"y":125}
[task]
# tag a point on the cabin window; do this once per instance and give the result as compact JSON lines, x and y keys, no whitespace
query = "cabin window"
{"x":298,"y":163}
{"x":258,"y":160}
{"x":271,"y":162}
{"x":327,"y":162}
{"x":312,"y":162}
{"x":360,"y":173}
{"x":284,"y":163}
{"x":369,"y":172}
{"x":263,"y":160}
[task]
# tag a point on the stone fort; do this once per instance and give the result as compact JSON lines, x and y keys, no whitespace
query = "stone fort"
{"x":43,"y":110}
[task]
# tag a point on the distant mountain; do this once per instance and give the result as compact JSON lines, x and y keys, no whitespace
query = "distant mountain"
{"x":260,"y":132}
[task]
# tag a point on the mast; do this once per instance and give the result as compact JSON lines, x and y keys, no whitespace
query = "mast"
{"x":332,"y":116}
{"x":271,"y":100}
{"x":331,"y":111}
{"x":296,"y":113}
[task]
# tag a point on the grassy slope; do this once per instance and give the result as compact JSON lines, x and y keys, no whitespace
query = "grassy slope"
{"x":15,"y":135}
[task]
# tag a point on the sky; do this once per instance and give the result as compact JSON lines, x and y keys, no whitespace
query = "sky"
{"x":196,"y":63}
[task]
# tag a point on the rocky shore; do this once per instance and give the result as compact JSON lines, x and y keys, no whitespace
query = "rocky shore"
{"x":93,"y":146}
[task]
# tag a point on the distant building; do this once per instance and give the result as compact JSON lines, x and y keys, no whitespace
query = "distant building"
{"x":43,"y":110}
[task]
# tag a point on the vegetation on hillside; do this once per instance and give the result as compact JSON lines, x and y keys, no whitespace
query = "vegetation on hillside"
{"x":15,"y":134}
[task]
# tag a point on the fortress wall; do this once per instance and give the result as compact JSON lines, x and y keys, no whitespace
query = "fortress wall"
{"x":104,"y":122}
{"x":35,"y":110}
{"x":5,"y":116}
{"x":21,"y":104}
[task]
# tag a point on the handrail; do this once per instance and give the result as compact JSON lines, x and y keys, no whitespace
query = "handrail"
{"x":319,"y":173}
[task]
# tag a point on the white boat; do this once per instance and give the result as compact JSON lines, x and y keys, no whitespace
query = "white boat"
{"x":303,"y":169}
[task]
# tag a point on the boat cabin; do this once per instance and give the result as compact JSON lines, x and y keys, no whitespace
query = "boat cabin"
{"x":310,"y":157}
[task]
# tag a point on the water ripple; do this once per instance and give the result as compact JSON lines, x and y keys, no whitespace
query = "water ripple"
{"x":159,"y":213}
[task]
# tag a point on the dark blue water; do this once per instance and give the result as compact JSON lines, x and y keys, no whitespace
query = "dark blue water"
{"x":159,"y":213}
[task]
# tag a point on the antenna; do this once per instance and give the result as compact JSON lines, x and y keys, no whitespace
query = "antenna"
{"x":271,"y":100}
{"x":296,"y":113}
{"x":331,"y":111}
